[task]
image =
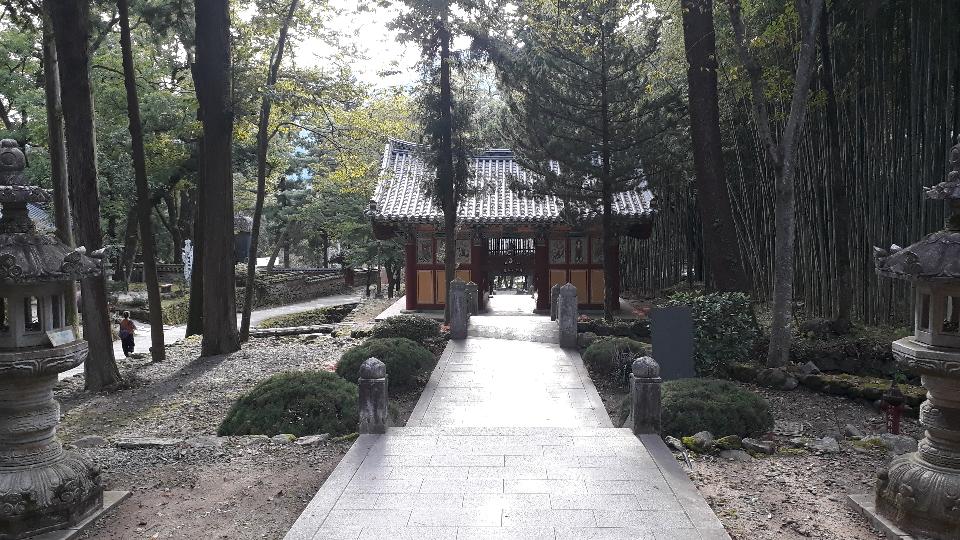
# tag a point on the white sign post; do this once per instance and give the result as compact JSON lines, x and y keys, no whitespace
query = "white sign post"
{"x":187,"y":260}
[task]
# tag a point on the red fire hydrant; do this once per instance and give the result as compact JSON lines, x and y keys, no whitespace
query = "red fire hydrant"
{"x":893,"y":408}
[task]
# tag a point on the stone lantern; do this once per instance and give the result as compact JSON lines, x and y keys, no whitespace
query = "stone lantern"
{"x":42,"y":486}
{"x":920,"y":492}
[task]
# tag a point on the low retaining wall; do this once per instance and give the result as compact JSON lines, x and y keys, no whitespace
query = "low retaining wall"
{"x":281,"y":288}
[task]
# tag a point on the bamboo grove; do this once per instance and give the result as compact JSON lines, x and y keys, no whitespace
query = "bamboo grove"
{"x":896,"y":73}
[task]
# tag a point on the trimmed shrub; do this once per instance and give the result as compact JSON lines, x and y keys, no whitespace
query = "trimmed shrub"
{"x":632,"y":328}
{"x":724,"y":329}
{"x":604,"y":358}
{"x":720,"y":407}
{"x":413,"y":327}
{"x":404,"y":360}
{"x":301,"y":403}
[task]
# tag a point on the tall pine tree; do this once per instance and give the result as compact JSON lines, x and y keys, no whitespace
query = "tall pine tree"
{"x":577,"y":81}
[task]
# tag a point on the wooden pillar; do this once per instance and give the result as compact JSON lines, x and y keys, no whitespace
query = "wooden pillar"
{"x":478,"y":268}
{"x":541,"y":273}
{"x":410,"y":270}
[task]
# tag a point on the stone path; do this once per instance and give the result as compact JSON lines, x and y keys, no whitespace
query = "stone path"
{"x":173,"y":334}
{"x":509,"y":440}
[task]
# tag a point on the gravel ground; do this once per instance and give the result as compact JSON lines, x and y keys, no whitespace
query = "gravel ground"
{"x":206,"y":487}
{"x":793,"y":495}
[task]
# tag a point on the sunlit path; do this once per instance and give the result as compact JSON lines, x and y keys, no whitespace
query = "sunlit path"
{"x":509,"y":440}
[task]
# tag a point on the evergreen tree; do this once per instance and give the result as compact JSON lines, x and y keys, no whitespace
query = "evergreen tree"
{"x":579,"y":90}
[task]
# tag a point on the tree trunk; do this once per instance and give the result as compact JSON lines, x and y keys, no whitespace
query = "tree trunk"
{"x":722,"y":250}
{"x":445,"y":170}
{"x":838,"y":192}
{"x":58,"y":152}
{"x":195,"y":317}
{"x":131,"y":242}
{"x":212,"y":73}
{"x":276,"y":249}
{"x":157,"y":351}
{"x":70,"y":22}
{"x":783,"y":157}
{"x":263,"y":143}
{"x":173,"y":226}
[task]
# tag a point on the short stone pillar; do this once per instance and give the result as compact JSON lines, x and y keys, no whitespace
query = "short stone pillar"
{"x":373,"y":396}
{"x":567,"y":315}
{"x":459,"y":312}
{"x":645,"y":385}
{"x":473,"y":300}
{"x":554,"y":297}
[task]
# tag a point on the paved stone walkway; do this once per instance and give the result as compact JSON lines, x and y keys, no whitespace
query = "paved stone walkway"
{"x":509,"y":440}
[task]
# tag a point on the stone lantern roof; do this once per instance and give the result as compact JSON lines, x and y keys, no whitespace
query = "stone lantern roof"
{"x":936,"y":257}
{"x":27,"y":255}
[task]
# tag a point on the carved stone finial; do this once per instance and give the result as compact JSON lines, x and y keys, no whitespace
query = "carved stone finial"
{"x":12,"y":164}
{"x":646,"y":368}
{"x":373,"y":368}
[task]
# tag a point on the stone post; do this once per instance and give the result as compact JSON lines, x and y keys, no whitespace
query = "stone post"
{"x":472,"y":298}
{"x":373,"y":396}
{"x":459,"y":314}
{"x":554,"y":296}
{"x":645,"y":384}
{"x":567,"y":315}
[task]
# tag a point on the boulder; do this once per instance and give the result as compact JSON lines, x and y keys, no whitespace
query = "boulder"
{"x":898,"y":444}
{"x":205,"y":441}
{"x":757,"y":446}
{"x":772,"y":378}
{"x":730,"y":442}
{"x":826,"y":445}
{"x":809,"y":369}
{"x":136,"y":443}
{"x":91,"y":441}
{"x":736,"y":455}
{"x":312,"y":440}
{"x":700,"y":443}
{"x":674,"y":443}
{"x":284,"y":438}
{"x":852,"y":431}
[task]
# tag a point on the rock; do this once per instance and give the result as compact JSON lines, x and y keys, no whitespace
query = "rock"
{"x":743,"y":372}
{"x":736,"y":455}
{"x":791,"y":383}
{"x":312,"y":440}
{"x":730,"y":442}
{"x":772,"y":378}
{"x":700,"y":443}
{"x":849,"y":364}
{"x":809,"y":369}
{"x":585,"y":339}
{"x":898,"y":444}
{"x":91,"y":441}
{"x":674,"y":443}
{"x":205,"y":441}
{"x":826,"y":445}
{"x":284,"y":438}
{"x":852,"y":431}
{"x":135,"y":443}
{"x":252,"y":440}
{"x":827,"y":363}
{"x":757,"y":446}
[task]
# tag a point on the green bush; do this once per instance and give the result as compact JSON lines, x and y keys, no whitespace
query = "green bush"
{"x":175,"y":311}
{"x":404,"y":360}
{"x":720,"y":407}
{"x":632,"y":328}
{"x":724,"y":329}
{"x":412,"y":327}
{"x":301,"y":403}
{"x":604,"y":357}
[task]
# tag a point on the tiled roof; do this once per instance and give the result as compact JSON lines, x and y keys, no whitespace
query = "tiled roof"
{"x":400,"y":195}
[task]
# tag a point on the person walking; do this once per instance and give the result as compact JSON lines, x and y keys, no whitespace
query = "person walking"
{"x":127,"y":329}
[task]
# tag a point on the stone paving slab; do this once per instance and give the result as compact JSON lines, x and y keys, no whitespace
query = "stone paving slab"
{"x":509,"y":440}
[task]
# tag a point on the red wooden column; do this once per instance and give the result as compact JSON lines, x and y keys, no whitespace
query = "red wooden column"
{"x":410,"y":270}
{"x":478,"y":268}
{"x":541,"y":274}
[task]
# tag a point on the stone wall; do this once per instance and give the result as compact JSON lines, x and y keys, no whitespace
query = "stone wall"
{"x":277,"y":289}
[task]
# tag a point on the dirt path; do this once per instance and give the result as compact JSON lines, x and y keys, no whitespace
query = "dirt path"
{"x":206,"y":486}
